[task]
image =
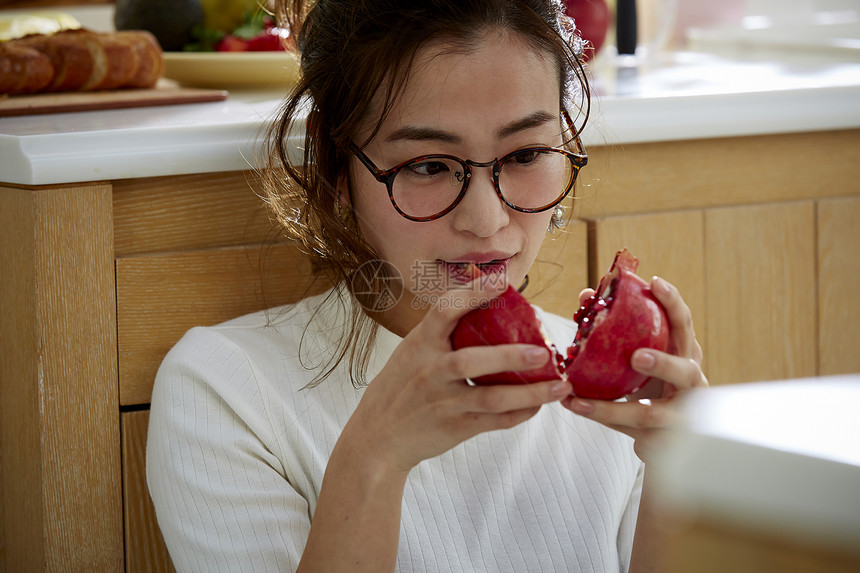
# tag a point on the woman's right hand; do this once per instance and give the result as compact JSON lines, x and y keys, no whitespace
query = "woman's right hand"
{"x":420,"y":405}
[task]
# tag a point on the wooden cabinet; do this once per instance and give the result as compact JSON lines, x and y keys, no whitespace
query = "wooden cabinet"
{"x":144,"y":545}
{"x":748,"y":274}
{"x":758,"y":233}
{"x":59,"y":412}
{"x":838,"y":269}
{"x":713,"y":546}
{"x":760,"y":268}
{"x":100,"y":279}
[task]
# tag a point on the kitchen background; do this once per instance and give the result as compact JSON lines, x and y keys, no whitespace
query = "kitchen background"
{"x":729,"y":162}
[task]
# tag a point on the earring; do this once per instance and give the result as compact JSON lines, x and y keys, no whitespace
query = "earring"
{"x":524,"y":284}
{"x":556,"y":221}
{"x":339,"y":210}
{"x":342,"y":209}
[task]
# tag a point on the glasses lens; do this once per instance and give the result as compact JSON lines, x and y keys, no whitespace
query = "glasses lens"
{"x":536,"y":179}
{"x":428,"y":185}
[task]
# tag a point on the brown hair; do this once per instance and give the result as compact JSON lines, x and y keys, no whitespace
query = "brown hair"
{"x":350,"y":50}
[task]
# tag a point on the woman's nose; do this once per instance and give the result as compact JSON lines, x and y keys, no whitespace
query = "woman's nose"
{"x":481,"y":211}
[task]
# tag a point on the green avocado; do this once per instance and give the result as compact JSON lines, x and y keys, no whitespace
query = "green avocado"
{"x":170,"y":21}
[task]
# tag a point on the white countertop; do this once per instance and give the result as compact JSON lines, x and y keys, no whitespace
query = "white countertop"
{"x":689,"y":96}
{"x":783,"y":457}
{"x":136,"y":142}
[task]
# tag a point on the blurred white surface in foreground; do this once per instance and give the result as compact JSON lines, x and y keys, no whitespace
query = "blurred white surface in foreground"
{"x":781,"y":456}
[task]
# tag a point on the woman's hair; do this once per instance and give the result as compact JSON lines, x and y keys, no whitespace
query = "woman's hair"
{"x":354,"y":55}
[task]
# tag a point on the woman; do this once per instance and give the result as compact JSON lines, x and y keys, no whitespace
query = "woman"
{"x":263,"y":456}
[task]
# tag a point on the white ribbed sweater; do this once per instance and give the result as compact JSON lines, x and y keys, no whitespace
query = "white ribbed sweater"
{"x":237,"y":451}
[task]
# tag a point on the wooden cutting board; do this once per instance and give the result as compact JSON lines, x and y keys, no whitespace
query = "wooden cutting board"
{"x":166,"y":92}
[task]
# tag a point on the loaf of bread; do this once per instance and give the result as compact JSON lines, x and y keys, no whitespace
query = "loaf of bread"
{"x":79,"y":60}
{"x":23,"y":70}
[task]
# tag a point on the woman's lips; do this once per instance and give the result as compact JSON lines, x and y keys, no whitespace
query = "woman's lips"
{"x":461,"y":273}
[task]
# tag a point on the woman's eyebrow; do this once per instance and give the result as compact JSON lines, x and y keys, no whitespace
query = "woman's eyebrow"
{"x":422,"y":133}
{"x":419,"y":133}
{"x":535,"y":119}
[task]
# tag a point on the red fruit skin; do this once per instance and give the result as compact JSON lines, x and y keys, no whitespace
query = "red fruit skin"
{"x":507,"y":319}
{"x":601,"y":370}
{"x":592,"y":19}
{"x":232,"y":44}
{"x":266,"y":41}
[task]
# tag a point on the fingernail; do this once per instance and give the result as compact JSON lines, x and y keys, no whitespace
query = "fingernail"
{"x":659,"y":284}
{"x":644,"y":360}
{"x":560,"y":389}
{"x":582,"y":407}
{"x":536,"y":355}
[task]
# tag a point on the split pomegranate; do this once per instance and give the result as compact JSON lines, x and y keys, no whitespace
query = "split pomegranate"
{"x":620,"y":317}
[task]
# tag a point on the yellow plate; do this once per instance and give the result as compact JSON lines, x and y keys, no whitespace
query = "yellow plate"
{"x":222,"y":70}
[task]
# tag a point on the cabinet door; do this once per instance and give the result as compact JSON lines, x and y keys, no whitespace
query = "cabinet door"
{"x":838,"y":285}
{"x":760,"y":284}
{"x":670,"y":245}
{"x":145,"y":550}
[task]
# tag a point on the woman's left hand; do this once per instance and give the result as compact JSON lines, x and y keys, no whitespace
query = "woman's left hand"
{"x":673,"y":373}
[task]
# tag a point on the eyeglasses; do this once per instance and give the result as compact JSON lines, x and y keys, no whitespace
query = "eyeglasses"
{"x":529,"y":180}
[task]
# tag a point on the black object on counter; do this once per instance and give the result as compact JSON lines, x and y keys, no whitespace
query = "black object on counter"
{"x":170,"y":21}
{"x":625,"y":26}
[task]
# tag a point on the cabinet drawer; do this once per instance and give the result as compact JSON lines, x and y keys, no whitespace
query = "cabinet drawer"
{"x":161,"y":296}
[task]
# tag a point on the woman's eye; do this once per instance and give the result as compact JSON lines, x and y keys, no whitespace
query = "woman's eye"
{"x":428,"y":168}
{"x":526,"y":156}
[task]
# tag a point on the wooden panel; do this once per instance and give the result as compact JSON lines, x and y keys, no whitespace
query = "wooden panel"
{"x":59,"y":424}
{"x":145,"y":551}
{"x":760,"y":264}
{"x":560,"y":271}
{"x":709,"y":546}
{"x":159,"y":297}
{"x":839,"y":286}
{"x":20,"y":465}
{"x":670,"y":245}
{"x":188,"y":212}
{"x":648,"y":177}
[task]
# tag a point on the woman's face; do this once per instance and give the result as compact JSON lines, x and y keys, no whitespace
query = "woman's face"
{"x":479,"y":105}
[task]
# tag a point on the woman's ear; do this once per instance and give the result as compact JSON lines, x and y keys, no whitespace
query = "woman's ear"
{"x":344,"y":198}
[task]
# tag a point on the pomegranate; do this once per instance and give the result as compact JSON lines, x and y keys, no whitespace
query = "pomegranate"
{"x":508,"y":318}
{"x":620,"y":317}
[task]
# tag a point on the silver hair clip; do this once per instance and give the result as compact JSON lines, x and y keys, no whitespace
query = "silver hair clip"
{"x":567,"y":30}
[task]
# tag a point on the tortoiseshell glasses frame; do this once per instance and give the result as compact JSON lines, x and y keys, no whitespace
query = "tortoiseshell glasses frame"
{"x":578,"y":158}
